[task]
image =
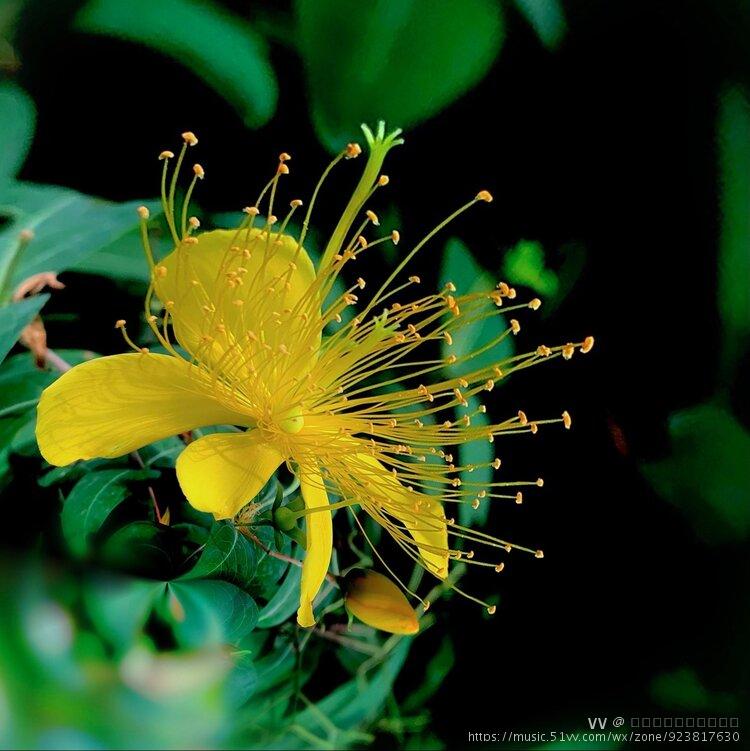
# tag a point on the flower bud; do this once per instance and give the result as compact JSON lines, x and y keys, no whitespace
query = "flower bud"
{"x":378,"y":602}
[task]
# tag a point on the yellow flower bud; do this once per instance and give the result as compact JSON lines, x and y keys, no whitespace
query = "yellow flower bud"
{"x":378,"y":602}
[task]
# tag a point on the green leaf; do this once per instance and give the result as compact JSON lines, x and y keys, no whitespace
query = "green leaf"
{"x":17,"y":120}
{"x":434,"y":676}
{"x":285,"y":601}
{"x":524,"y":264}
{"x":92,"y":500}
{"x":459,"y":267}
{"x":706,"y":473}
{"x":119,"y":607}
{"x":14,"y":318}
{"x":68,"y":227}
{"x":682,"y":690}
{"x":734,"y":257}
{"x":398,"y":60}
{"x":138,"y":547}
{"x":227,"y":555}
{"x":547,"y":18}
{"x":217,"y":46}
{"x":476,"y":453}
{"x":206,"y":611}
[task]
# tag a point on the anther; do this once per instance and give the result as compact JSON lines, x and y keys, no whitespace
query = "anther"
{"x":143,"y":212}
{"x":567,"y":421}
{"x":395,"y":236}
{"x":489,"y":384}
{"x":499,"y":567}
{"x":522,"y":417}
{"x":534,"y":428}
{"x":515,"y":326}
{"x":588,"y":344}
{"x":475,"y":504}
{"x":519,"y":497}
{"x":284,"y":157}
{"x":353,"y":150}
{"x":496,"y":463}
{"x":190,"y":240}
{"x":194,"y":222}
{"x":144,"y":350}
{"x":199,"y":171}
{"x":282,"y":169}
{"x":160,"y":271}
{"x":450,"y":286}
{"x":189,"y":138}
{"x":120,"y":324}
{"x":415,"y":280}
{"x":568,"y":350}
{"x":540,"y":482}
{"x":373,"y":217}
{"x":539,"y":554}
{"x":448,"y":338}
{"x":166,"y":155}
{"x":251,"y":210}
{"x":543,"y":351}
{"x":492,"y":609}
{"x":535,"y":304}
{"x":484,"y":195}
{"x":296,"y":203}
{"x":361,"y":282}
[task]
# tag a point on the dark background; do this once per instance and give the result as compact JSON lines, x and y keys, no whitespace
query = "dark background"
{"x":608,"y":142}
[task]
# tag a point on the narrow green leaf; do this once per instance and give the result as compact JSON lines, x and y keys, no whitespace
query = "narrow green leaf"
{"x":734,"y":258}
{"x":14,"y":318}
{"x":92,"y":500}
{"x":17,"y":120}
{"x":217,"y":46}
{"x":398,"y":60}
{"x":285,"y":601}
{"x":475,"y":454}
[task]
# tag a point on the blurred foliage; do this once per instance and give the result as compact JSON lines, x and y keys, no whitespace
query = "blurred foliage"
{"x":139,"y":622}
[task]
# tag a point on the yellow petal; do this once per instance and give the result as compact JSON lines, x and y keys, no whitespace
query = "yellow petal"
{"x":319,"y":534}
{"x":378,"y":602}
{"x":229,"y":283}
{"x":426,"y":525}
{"x":221,"y":472}
{"x":112,"y":405}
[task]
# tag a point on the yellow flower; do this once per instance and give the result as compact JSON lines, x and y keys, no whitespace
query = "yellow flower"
{"x":251,"y":339}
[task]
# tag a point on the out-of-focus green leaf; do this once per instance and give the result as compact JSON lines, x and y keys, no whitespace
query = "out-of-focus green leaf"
{"x":67,"y":226}
{"x":206,"y":611}
{"x":124,"y":258}
{"x":217,"y":46}
{"x":119,"y":606}
{"x":435,"y":674}
{"x":398,"y":60}
{"x":459,"y":267}
{"x":682,"y":690}
{"x":226,"y":555}
{"x":547,"y":18}
{"x":706,"y":473}
{"x":14,"y":318}
{"x":475,"y":454}
{"x":268,"y":570}
{"x":285,"y":601}
{"x":524,"y":264}
{"x":138,"y":548}
{"x":92,"y":500}
{"x":17,"y":120}
{"x":734,"y":258}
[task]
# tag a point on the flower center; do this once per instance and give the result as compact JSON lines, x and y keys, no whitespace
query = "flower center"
{"x":292,"y":421}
